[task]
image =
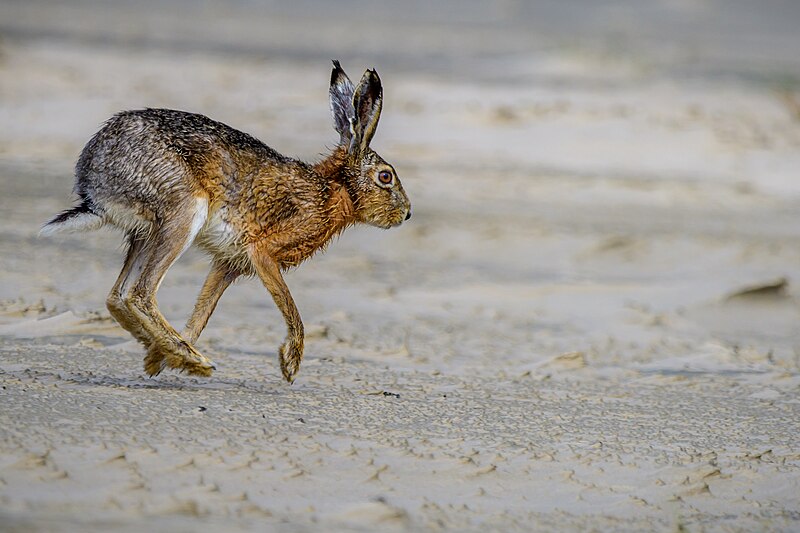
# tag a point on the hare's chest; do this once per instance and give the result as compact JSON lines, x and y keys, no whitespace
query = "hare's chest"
{"x":220,"y":237}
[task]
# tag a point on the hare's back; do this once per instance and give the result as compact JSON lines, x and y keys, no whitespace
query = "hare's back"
{"x":153,"y":160}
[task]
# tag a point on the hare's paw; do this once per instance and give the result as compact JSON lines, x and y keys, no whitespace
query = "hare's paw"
{"x":155,"y":361}
{"x":291,"y":353}
{"x":180,"y":355}
{"x":193,"y":362}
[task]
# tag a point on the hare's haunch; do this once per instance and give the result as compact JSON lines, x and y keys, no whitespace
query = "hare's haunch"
{"x":170,"y":178}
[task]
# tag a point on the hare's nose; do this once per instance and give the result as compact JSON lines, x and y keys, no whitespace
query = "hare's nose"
{"x":408,"y":215}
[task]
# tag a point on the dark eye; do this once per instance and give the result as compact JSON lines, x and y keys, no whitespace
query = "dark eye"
{"x":385,"y":177}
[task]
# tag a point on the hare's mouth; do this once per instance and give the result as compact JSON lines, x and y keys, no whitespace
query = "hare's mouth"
{"x":386,"y":218}
{"x":401,"y":218}
{"x":387,"y":224}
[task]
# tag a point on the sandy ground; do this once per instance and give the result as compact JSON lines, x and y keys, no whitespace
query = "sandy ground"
{"x":590,"y":323}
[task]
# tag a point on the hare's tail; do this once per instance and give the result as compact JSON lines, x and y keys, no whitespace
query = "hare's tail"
{"x":80,"y":218}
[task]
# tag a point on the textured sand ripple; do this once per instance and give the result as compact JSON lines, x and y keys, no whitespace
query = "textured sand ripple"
{"x":97,"y":440}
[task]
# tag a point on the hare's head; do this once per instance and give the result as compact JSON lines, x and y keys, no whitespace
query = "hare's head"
{"x":376,"y":191}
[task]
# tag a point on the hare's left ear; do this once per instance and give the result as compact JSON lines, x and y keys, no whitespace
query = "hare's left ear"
{"x":367,"y":101}
{"x":341,"y":98}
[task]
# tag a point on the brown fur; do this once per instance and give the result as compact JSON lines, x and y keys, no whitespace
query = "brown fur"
{"x":170,"y":178}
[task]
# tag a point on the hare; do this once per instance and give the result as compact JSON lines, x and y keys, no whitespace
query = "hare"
{"x":170,"y":178}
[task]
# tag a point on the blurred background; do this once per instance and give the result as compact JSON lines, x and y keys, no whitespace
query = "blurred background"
{"x":470,"y":40}
{"x":591,"y":322}
{"x":617,"y":179}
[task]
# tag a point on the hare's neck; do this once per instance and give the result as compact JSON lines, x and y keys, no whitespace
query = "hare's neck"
{"x":340,"y":208}
{"x":334,"y":167}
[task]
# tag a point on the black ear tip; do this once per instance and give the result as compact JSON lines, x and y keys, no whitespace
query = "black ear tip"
{"x":337,"y":73}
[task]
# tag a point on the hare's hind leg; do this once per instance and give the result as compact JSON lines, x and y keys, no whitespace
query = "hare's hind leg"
{"x":116,"y":298}
{"x":165,"y":347}
{"x":219,"y":279}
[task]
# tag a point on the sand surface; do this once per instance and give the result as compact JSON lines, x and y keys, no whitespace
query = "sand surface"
{"x":591,"y":322}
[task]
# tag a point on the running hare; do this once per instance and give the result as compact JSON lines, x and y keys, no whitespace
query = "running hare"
{"x":170,"y":178}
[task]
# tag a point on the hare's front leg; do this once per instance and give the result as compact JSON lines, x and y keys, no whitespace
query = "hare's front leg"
{"x":291,"y":351}
{"x":219,"y":279}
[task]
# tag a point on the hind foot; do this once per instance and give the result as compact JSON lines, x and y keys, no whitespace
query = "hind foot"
{"x":179,"y":355}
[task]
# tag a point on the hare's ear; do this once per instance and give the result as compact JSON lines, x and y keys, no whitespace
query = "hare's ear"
{"x":341,"y":95}
{"x":367,"y":102}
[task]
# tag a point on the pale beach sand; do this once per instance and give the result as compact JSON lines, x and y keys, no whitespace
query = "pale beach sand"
{"x":591,"y":322}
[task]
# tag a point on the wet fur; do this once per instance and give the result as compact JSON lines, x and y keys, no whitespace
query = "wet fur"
{"x":171,"y":178}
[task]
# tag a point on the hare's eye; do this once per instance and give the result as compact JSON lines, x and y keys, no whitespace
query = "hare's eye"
{"x":385,"y":177}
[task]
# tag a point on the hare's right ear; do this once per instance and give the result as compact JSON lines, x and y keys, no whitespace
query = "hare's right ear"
{"x":341,"y":95}
{"x":368,"y":102}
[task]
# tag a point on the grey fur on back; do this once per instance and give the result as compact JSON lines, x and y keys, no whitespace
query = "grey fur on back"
{"x":145,"y":157}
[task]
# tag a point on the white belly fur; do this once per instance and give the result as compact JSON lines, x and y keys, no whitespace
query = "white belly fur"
{"x":209,"y":230}
{"x":220,"y":238}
